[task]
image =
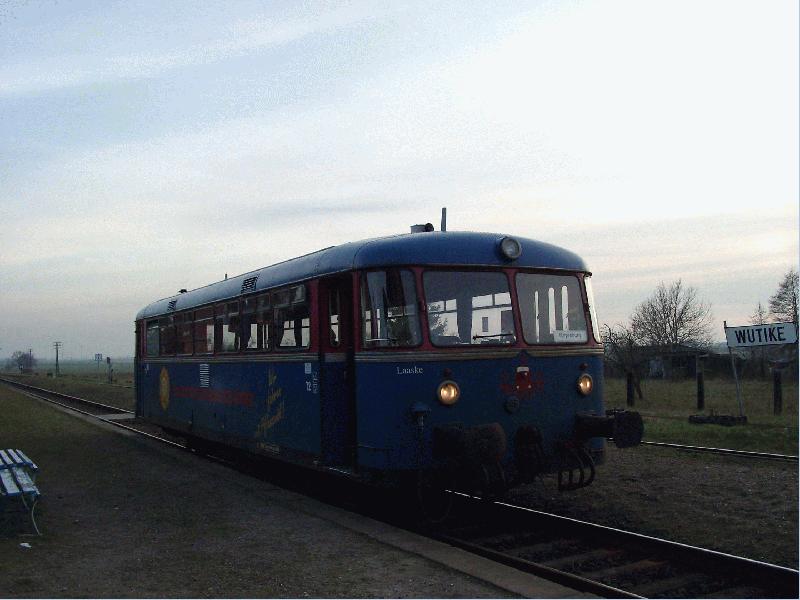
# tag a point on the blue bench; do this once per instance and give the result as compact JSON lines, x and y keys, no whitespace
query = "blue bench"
{"x":18,"y":480}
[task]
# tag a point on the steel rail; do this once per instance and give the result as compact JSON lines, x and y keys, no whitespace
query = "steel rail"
{"x":729,"y":451}
{"x":113,"y":422}
{"x":84,"y":401}
{"x":564,"y":578}
{"x":701,"y":560}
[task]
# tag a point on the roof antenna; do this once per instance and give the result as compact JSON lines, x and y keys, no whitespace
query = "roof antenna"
{"x":444,"y":218}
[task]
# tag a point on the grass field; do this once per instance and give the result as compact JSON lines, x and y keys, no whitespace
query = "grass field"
{"x":666,"y":407}
{"x":82,"y":379}
{"x":88,"y":369}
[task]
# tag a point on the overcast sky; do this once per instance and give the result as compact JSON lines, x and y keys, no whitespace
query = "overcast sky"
{"x":152,"y":146}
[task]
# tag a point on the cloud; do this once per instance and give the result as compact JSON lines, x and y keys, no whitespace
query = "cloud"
{"x":593,"y":126}
{"x":238,"y":37}
{"x":733,"y":259}
{"x":647,"y":109}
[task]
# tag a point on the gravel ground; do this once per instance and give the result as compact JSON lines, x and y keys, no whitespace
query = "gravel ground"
{"x":740,"y":506}
{"x":122,"y":519}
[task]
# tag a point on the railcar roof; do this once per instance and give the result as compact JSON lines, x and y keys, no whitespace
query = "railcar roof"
{"x":431,"y":248}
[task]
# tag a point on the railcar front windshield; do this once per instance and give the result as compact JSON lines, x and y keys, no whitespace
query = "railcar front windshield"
{"x":389,"y":309}
{"x":552,"y":310}
{"x":469,"y":307}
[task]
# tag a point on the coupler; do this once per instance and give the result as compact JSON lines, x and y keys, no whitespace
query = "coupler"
{"x":624,"y":427}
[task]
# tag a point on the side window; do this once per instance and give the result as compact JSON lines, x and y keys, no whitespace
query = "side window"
{"x":204,"y":331}
{"x":292,"y":318}
{"x":226,"y":330}
{"x":183,"y":324}
{"x":167,"y":335}
{"x":389,"y":309}
{"x":587,"y":280}
{"x":151,"y":343}
{"x":334,"y":312}
{"x":256,"y":323}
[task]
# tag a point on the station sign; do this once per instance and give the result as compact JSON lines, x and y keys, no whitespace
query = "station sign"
{"x":768,"y":334}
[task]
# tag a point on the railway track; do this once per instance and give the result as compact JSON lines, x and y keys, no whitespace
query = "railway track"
{"x":113,"y":415}
{"x":606,"y":561}
{"x":585,"y":556}
{"x":67,"y":400}
{"x":726,"y":451}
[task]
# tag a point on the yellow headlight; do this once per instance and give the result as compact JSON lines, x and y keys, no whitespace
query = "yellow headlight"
{"x":448,"y":392}
{"x":585,"y":384}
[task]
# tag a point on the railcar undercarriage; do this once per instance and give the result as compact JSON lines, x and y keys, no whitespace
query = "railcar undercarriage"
{"x":471,"y":456}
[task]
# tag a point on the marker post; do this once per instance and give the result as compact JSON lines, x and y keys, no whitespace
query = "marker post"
{"x":735,"y":375}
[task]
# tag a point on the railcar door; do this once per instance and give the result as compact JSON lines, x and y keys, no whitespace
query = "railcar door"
{"x":337,"y":373}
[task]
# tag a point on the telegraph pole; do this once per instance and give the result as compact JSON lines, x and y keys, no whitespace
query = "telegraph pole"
{"x":57,"y":345}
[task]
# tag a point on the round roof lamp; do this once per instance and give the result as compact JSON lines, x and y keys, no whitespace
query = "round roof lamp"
{"x":510,"y":248}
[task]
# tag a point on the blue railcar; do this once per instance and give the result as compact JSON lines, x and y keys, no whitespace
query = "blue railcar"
{"x":472,"y":357}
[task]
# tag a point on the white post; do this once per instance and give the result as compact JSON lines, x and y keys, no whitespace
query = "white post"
{"x":735,"y":375}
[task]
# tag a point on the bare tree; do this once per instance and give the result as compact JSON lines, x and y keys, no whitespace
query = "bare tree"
{"x":673,"y":316}
{"x":21,"y":360}
{"x":783,"y":304}
{"x":624,"y":352}
{"x":759,"y":317}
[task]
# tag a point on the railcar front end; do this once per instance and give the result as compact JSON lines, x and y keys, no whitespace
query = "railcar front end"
{"x":486,"y":376}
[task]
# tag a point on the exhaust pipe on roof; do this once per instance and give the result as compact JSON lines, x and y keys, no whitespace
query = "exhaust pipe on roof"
{"x":429,"y":226}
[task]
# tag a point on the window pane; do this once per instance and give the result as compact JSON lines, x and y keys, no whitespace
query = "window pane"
{"x":167,"y":336}
{"x":226,"y":334}
{"x":185,"y":334}
{"x":294,"y":326}
{"x":552,"y":310}
{"x":389,"y":309}
{"x":592,"y":310}
{"x":469,"y":307}
{"x":256,"y":323}
{"x":333,"y":317}
{"x":152,"y":338}
{"x":292,"y":321}
{"x":293,"y":295}
{"x":204,"y":331}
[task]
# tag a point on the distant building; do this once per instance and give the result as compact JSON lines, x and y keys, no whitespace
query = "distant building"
{"x":672,"y":361}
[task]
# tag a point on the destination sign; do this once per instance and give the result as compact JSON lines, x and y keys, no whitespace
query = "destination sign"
{"x":769,"y":334}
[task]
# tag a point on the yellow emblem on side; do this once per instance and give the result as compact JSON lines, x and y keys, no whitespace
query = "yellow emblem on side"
{"x":163,"y":388}
{"x":274,"y":394}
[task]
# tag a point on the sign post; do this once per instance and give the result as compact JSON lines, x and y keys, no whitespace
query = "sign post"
{"x":735,"y":375}
{"x":746,"y":336}
{"x":777,"y":392}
